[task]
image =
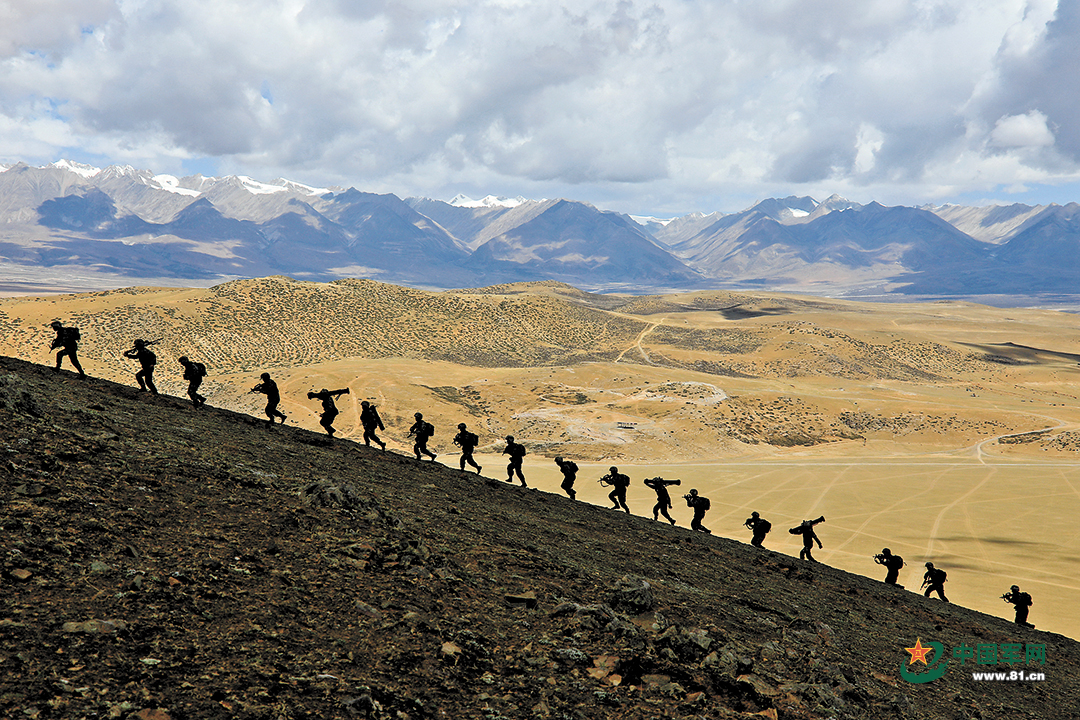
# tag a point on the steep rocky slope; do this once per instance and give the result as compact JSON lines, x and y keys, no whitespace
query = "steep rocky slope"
{"x":160,"y":562}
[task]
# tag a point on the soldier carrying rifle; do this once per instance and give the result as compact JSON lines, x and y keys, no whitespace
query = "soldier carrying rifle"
{"x":1022,"y":602}
{"x":269,"y":388}
{"x":892,"y":563}
{"x":759,"y":526}
{"x":701,"y":505}
{"x":620,"y":482}
{"x":934,"y":581}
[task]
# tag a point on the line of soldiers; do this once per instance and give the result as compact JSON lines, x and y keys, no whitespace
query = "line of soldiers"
{"x":67,"y":341}
{"x":934,"y":581}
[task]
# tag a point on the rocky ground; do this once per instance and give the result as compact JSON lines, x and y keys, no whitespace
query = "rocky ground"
{"x":161,"y":562}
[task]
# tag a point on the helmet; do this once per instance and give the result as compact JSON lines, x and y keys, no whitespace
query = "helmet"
{"x":886,"y":551}
{"x":56,"y":323}
{"x":509,"y":438}
{"x":418,"y":416}
{"x":558,"y":458}
{"x":929,"y":564}
{"x":754,"y":514}
{"x":183,"y":359}
{"x":265,"y":376}
{"x":693,"y":492}
{"x":1015,"y":588}
{"x":323,"y":391}
{"x":364,"y":403}
{"x":461,"y":426}
{"x":613,"y":469}
{"x":140,"y":343}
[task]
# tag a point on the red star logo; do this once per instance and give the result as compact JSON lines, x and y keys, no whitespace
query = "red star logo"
{"x":918,"y":652}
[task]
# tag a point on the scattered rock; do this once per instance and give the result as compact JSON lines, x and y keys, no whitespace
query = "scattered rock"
{"x":525,"y":599}
{"x":103,"y":627}
{"x":633,"y":595}
{"x":368,"y":611}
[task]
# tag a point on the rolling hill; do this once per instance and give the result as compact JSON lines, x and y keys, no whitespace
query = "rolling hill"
{"x":165,"y":563}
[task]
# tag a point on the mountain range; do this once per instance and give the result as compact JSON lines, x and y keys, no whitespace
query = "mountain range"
{"x":135,"y":226}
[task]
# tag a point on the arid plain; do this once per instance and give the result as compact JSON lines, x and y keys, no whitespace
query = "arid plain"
{"x":948,"y":431}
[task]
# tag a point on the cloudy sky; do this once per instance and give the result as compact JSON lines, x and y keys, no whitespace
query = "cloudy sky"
{"x":657,"y":107}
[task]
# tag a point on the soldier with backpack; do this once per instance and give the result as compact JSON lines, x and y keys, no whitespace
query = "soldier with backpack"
{"x":663,"y":498}
{"x":67,"y":339}
{"x":369,"y":418}
{"x":759,"y":526}
{"x":329,"y":409}
{"x":269,"y":388}
{"x":467,"y":441}
{"x":147,"y":361}
{"x":516,"y":451}
{"x":569,"y":470}
{"x":421,"y":430}
{"x":620,"y":482}
{"x":194,"y":372}
{"x":892,"y":563}
{"x":701,"y":505}
{"x":934,"y":581}
{"x":1021,"y":601}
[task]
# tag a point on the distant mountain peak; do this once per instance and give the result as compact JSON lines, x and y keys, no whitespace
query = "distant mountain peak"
{"x":87,"y":171}
{"x":488,"y":201}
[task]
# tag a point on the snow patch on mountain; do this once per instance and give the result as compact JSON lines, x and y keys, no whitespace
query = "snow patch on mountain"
{"x":647,"y":220}
{"x":489,"y":201}
{"x":86,"y":171}
{"x":171,"y":183}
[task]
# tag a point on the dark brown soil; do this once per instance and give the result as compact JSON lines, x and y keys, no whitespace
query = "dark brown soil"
{"x":162,"y":562}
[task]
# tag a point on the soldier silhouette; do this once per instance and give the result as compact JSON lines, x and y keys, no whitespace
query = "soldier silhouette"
{"x":569,"y":470}
{"x":1022,"y":602}
{"x":934,"y":581}
{"x":67,"y":339}
{"x":194,"y":373}
{"x":467,"y":441}
{"x":421,"y":431}
{"x":663,"y":498}
{"x":516,"y":451}
{"x":147,"y":361}
{"x":620,"y":482}
{"x":269,"y":388}
{"x":759,"y":526}
{"x":806,"y":529}
{"x":329,"y":408}
{"x":369,"y":418}
{"x":892,"y":563}
{"x":700,"y":505}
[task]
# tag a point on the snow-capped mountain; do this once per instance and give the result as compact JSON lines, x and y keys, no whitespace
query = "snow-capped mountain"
{"x":69,"y":217}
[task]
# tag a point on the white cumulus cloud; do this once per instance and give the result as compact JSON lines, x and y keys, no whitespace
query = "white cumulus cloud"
{"x":639,"y":105}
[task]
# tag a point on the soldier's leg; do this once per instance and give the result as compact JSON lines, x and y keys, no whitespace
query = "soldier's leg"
{"x":664,"y":512}
{"x":149,"y":374}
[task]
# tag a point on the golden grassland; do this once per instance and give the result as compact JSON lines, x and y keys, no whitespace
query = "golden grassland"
{"x":946,"y":431}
